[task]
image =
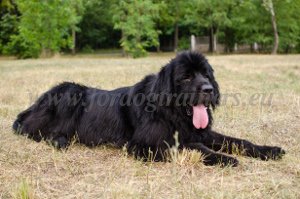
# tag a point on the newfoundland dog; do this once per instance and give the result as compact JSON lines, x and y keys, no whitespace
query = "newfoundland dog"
{"x":143,"y":117}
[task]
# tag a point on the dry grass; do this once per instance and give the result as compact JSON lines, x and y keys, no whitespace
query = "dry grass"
{"x":36,"y":170}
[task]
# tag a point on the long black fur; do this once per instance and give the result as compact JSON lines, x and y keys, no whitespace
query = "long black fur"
{"x":71,"y":110}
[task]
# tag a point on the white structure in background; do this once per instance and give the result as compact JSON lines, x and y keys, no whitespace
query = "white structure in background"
{"x":255,"y":47}
{"x":201,"y":44}
{"x":193,"y":43}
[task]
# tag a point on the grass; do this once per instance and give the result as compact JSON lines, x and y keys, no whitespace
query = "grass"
{"x":36,"y":170}
{"x":24,"y":191}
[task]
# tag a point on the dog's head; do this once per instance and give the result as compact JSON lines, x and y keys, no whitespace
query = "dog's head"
{"x":194,"y":76}
{"x":191,"y":78}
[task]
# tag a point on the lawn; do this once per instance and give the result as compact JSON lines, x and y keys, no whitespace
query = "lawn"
{"x":261,"y":103}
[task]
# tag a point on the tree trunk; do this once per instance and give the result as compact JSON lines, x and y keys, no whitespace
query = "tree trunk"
{"x":215,"y":42}
{"x":46,"y":53}
{"x":158,"y":48}
{"x":74,"y":41}
{"x":123,"y":38}
{"x":176,"y":26}
{"x":212,"y":40}
{"x":274,"y":25}
{"x":176,"y":37}
{"x":276,"y":36}
{"x":211,"y":35}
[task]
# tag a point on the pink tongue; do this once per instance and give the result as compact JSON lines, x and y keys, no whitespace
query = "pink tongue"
{"x":200,"y":117}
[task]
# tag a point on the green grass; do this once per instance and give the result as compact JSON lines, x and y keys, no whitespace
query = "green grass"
{"x":24,"y":191}
{"x":36,"y":170}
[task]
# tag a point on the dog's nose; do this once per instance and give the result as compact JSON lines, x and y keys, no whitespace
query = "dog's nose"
{"x":206,"y":88}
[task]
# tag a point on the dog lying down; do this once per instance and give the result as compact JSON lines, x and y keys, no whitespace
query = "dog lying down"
{"x":144,"y":117}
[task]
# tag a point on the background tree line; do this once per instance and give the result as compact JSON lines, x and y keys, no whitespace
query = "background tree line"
{"x":33,"y":28}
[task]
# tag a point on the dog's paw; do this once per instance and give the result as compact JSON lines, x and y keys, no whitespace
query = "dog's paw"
{"x":270,"y":153}
{"x":229,"y":161}
{"x":222,"y":160}
{"x":60,"y":142}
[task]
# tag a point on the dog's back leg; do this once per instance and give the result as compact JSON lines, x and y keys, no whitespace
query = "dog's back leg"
{"x":31,"y":123}
{"x":54,"y":116}
{"x":18,"y":122}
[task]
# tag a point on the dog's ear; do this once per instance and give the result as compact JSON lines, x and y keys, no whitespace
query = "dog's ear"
{"x":164,"y":82}
{"x":216,"y":99}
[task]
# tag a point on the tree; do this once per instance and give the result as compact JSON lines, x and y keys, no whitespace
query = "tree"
{"x":45,"y":27}
{"x":8,"y":22}
{"x":8,"y":27}
{"x":98,"y":32}
{"x":79,"y":10}
{"x":211,"y":14}
{"x":288,"y":23}
{"x":172,"y":18}
{"x":252,"y":24}
{"x":30,"y":28}
{"x":136,"y":20}
{"x":270,"y":8}
{"x":6,"y":5}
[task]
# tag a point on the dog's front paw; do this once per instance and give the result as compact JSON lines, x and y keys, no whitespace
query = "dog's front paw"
{"x":60,"y":142}
{"x":270,"y":152}
{"x":229,"y":161}
{"x":220,"y":159}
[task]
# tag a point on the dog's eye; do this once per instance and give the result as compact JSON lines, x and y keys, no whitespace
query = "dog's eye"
{"x":207,"y":75}
{"x":187,"y":79}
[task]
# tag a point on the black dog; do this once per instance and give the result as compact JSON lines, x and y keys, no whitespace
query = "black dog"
{"x":145,"y":116}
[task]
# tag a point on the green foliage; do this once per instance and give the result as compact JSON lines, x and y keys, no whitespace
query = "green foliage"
{"x":254,"y":23}
{"x":248,"y":21}
{"x":288,"y":21}
{"x":184,"y":43}
{"x":8,"y":27}
{"x":44,"y":26}
{"x":248,"y":28}
{"x":135,"y":18}
{"x":97,"y":26}
{"x":31,"y":27}
{"x":22,"y":47}
{"x":215,"y":16}
{"x":6,"y":4}
{"x":171,"y":12}
{"x":210,"y":13}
